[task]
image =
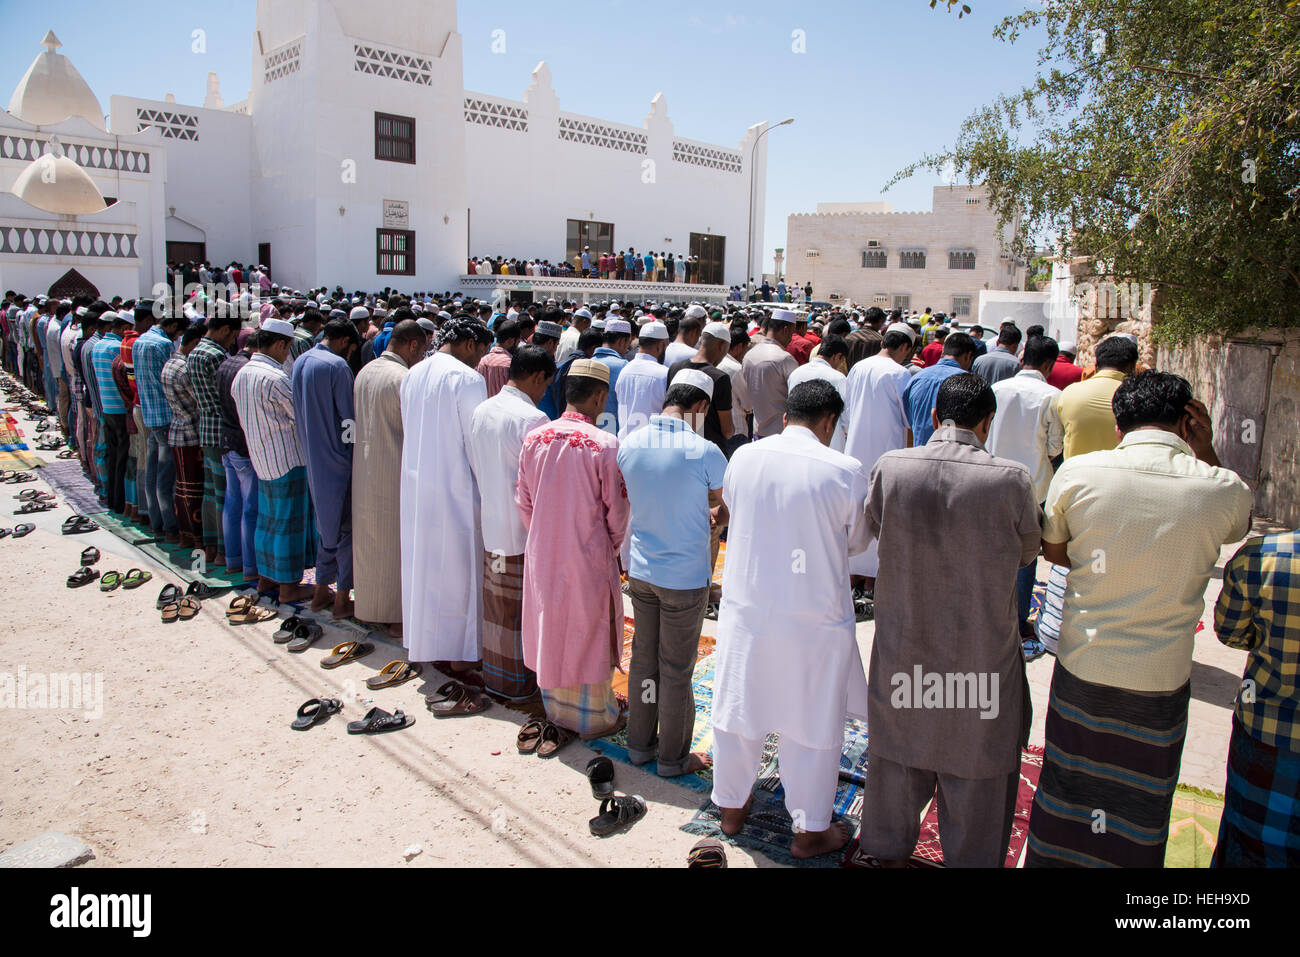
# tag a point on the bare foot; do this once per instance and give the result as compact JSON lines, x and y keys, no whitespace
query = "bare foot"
{"x":343,"y":607}
{"x":733,"y":818}
{"x":291,"y":593}
{"x":813,"y":843}
{"x":322,"y":597}
{"x":698,"y":761}
{"x":395,"y":629}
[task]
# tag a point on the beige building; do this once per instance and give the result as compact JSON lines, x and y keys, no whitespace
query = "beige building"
{"x":872,"y":255}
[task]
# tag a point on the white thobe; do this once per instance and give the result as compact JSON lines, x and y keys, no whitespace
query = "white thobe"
{"x":1027,"y":427}
{"x":878,"y":424}
{"x":442,"y":550}
{"x":819,"y":368}
{"x":740,"y":404}
{"x":496,"y":437}
{"x":640,"y":389}
{"x":568,"y":344}
{"x":678,"y":352}
{"x":787,"y":657}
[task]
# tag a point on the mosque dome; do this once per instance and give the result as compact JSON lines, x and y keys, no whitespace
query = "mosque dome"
{"x":58,"y":185}
{"x":52,"y":90}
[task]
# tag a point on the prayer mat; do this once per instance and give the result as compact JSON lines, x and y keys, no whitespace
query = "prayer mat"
{"x":1193,"y":827}
{"x":707,"y":643}
{"x":70,"y":482}
{"x":124,"y":528}
{"x":14,"y":453}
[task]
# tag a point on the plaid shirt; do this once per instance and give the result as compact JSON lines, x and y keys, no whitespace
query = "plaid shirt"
{"x":1259,"y":610}
{"x":204,"y":361}
{"x":149,"y":354}
{"x":263,"y":397}
{"x":108,"y":348}
{"x":183,"y":406}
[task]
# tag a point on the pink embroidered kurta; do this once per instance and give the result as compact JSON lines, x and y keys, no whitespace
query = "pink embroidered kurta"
{"x":573,"y":502}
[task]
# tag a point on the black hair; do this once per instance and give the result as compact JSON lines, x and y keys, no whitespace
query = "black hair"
{"x":219,"y":321}
{"x":965,"y":400}
{"x":1151,"y":398}
{"x":683,"y":395}
{"x":833,"y":345}
{"x":193,"y":333}
{"x":810,"y":402}
{"x":507,"y":329}
{"x":529,"y":359}
{"x":1117,"y":352}
{"x":1034,"y":330}
{"x":838,"y":327}
{"x":337,"y":329}
{"x":1040,"y":350}
{"x":958,"y":344}
{"x":1009,"y":335}
{"x":579,"y":388}
{"x":612,"y":337}
{"x":590,"y":339}
{"x":895,"y":339}
{"x":739,"y":336}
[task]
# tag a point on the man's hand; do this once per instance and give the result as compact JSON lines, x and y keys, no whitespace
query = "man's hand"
{"x":719,"y":516}
{"x":1200,"y":433}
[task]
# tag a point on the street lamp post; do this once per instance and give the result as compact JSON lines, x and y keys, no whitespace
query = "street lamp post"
{"x":749,"y":238}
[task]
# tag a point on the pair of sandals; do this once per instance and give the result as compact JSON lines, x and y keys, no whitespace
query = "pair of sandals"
{"x":34,"y":495}
{"x":542,"y":738}
{"x":183,"y":610}
{"x":78,"y":525}
{"x":15,"y":477}
{"x":299,"y":633}
{"x":134,"y":578}
{"x":457,"y":700}
{"x":32,"y":506}
{"x":377,"y":721}
{"x":617,"y":811}
{"x":18,"y":531}
{"x":244,"y":610}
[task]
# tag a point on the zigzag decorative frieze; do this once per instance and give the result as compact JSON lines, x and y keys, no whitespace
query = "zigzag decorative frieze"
{"x":592,"y":133}
{"x":173,"y":125}
{"x":707,"y":156}
{"x":282,"y":62}
{"x":394,"y":65}
{"x":25,"y":241}
{"x":500,"y":115}
{"x":90,"y":157}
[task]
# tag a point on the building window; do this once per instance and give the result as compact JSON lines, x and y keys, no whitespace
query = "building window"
{"x":874,"y":259}
{"x":582,"y":233}
{"x":880,"y":299}
{"x":902,"y":301}
{"x":395,"y":252}
{"x":972,"y":202}
{"x":712,"y":252}
{"x":961,"y":259}
{"x":911,"y":259}
{"x":960,"y":306}
{"x":394,"y":138}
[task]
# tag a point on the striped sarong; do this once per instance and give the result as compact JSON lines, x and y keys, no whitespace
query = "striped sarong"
{"x":504,"y":671}
{"x":214,"y":498}
{"x":285,"y":536}
{"x":101,"y":460}
{"x":586,"y":709}
{"x":1109,"y":774}
{"x":1261,"y":809}
{"x":188,"y":492}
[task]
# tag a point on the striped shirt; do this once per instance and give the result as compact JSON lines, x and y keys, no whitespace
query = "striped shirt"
{"x":182,"y":405}
{"x":204,"y":361}
{"x":263,"y":395}
{"x":108,"y":348}
{"x":149,"y":354}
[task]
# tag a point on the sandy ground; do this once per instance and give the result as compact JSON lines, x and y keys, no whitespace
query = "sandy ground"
{"x":193,"y":762}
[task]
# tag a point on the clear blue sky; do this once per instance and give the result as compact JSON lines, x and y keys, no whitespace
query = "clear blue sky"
{"x":881,"y":81}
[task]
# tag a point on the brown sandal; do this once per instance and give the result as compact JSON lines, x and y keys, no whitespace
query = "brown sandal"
{"x":530,"y":736}
{"x":394,"y":673}
{"x":454,"y":700}
{"x":251,"y":615}
{"x":553,"y":739}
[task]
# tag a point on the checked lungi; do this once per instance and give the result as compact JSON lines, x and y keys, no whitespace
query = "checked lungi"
{"x":214,"y":499}
{"x":285,"y":537}
{"x":1261,"y":808}
{"x":1109,"y":774}
{"x":188,"y":494}
{"x":504,"y":671}
{"x":586,"y":709}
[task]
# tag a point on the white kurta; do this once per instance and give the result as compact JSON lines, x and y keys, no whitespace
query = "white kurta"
{"x":640,"y":389}
{"x":442,"y":546}
{"x":495,"y":439}
{"x":788,"y":660}
{"x":878,"y":424}
{"x":821,"y":369}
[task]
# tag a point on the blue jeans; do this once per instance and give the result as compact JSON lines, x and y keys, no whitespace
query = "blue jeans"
{"x":239,"y":514}
{"x":160,"y":479}
{"x":1024,"y":594}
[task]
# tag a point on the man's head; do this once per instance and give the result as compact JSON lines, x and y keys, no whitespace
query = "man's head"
{"x":836,"y":352}
{"x":618,"y":334}
{"x":587,"y":387}
{"x":1034,"y":330}
{"x":899,"y":342}
{"x":531,"y":370}
{"x":779,"y":327}
{"x":739,"y":342}
{"x":652,"y":340}
{"x":715,"y":342}
{"x":967,"y":402}
{"x":1117,"y":352}
{"x":465,"y":338}
{"x":547,"y":335}
{"x":1009,"y":336}
{"x":191,"y":336}
{"x":275,"y":338}
{"x":1153,"y":400}
{"x":688,"y":397}
{"x":1040,"y":355}
{"x":815,"y":405}
{"x":689,"y":329}
{"x":589,"y":340}
{"x":960,"y":347}
{"x":340,"y":336}
{"x":507,"y":333}
{"x":409,"y":341}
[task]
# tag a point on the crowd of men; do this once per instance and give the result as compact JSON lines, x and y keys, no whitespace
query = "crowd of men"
{"x":624,"y":265}
{"x":486,"y":482}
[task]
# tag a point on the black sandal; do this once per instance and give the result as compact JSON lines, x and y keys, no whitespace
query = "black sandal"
{"x":202,"y":591}
{"x":77,"y":524}
{"x":170,"y":594}
{"x":455,"y":700}
{"x":286,"y":630}
{"x":90,"y":556}
{"x":315,"y":711}
{"x":31,"y":508}
{"x":26,"y":528}
{"x":305,"y":635}
{"x":600,"y":772}
{"x":616,"y":813}
{"x":81,"y":577}
{"x":379,"y":721}
{"x":708,"y":854}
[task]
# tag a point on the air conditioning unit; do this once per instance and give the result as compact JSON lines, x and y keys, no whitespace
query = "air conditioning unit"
{"x":872,"y":244}
{"x":812,"y":254}
{"x":835,"y":297}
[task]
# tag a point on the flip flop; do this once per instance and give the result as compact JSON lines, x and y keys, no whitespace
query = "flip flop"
{"x":189,"y":607}
{"x":19,"y":478}
{"x":90,"y":556}
{"x":81,"y":577}
{"x":345,"y":652}
{"x":6,"y":532}
{"x":530,"y":736}
{"x":600,"y":772}
{"x":203,"y":591}
{"x":31,"y":508}
{"x":305,"y":635}
{"x":251,"y":615}
{"x":26,"y":528}
{"x":457,"y":701}
{"x":67,"y":454}
{"x":170,"y":595}
{"x":553,"y":739}
{"x":708,"y":854}
{"x":313,"y":712}
{"x":76,"y":524}
{"x":34,"y":495}
{"x":171,"y":611}
{"x":240,"y":604}
{"x":378,"y":721}
{"x":287,"y":629}
{"x":110,"y":581}
{"x":393,"y":674}
{"x":135,"y":577}
{"x":617,"y":813}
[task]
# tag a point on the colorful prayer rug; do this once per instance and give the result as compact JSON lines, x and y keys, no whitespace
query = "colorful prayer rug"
{"x":14,"y":453}
{"x":1193,"y":827}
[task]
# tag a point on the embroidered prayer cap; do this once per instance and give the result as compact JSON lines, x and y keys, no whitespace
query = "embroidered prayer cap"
{"x":590,"y":369}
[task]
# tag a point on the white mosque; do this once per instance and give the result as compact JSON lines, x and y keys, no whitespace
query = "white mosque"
{"x":358,"y":159}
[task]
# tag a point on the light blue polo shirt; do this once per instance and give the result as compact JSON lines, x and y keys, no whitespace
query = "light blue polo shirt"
{"x":669,"y":469}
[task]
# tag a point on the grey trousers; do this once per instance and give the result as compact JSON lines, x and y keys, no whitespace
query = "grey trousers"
{"x":659,"y":692}
{"x":974,"y":814}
